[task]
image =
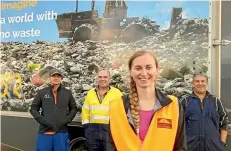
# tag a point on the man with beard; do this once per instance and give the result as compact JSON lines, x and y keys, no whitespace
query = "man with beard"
{"x":205,"y":117}
{"x":95,"y":112}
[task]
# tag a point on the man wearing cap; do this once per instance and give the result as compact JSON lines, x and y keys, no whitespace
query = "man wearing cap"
{"x":58,"y":109}
{"x":206,"y":119}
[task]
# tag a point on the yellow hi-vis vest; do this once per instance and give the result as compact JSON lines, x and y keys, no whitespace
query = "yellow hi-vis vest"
{"x":94,"y":111}
{"x":161,"y":133}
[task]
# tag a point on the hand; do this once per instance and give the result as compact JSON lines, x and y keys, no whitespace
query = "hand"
{"x":51,"y":125}
{"x":48,"y":124}
{"x":223,"y":143}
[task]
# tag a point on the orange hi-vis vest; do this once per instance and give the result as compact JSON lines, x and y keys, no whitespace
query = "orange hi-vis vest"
{"x":161,"y":133}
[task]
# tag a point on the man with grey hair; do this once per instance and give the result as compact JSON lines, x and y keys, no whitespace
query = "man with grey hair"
{"x":95,"y":112}
{"x":205,"y":118}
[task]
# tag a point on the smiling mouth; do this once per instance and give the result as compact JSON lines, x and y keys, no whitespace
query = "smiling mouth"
{"x":144,"y":79}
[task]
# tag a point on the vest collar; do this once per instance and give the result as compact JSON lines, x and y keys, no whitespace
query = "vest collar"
{"x":195,"y":96}
{"x":97,"y":88}
{"x":51,"y":86}
{"x":163,"y":98}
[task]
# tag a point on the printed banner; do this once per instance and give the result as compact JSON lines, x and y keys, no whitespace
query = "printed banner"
{"x":82,"y":37}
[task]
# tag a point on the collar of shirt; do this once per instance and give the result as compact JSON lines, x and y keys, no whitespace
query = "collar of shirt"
{"x":195,"y":96}
{"x":101,"y":97}
{"x":54,"y":94}
{"x":156,"y":107}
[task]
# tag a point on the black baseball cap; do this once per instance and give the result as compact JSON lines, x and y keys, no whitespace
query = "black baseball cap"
{"x":53,"y":72}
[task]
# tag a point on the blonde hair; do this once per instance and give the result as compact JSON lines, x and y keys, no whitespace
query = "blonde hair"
{"x":133,"y":95}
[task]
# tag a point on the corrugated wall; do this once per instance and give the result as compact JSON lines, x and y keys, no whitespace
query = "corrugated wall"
{"x":226,"y":61}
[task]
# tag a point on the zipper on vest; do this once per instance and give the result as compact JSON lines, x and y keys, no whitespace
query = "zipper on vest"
{"x":202,"y":105}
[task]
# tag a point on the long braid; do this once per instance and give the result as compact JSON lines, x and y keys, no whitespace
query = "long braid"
{"x":135,"y":106}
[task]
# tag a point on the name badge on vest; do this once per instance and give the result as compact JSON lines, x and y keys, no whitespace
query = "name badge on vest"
{"x":164,"y":123}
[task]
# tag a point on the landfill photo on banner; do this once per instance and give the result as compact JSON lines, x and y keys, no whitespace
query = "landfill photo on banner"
{"x":80,"y":38}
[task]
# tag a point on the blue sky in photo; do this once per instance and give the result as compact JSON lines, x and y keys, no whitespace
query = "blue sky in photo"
{"x":160,"y":11}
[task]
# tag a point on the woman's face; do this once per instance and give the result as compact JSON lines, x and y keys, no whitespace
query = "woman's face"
{"x":144,"y":71}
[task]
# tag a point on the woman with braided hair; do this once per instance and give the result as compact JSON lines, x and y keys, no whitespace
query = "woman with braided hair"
{"x":146,"y":119}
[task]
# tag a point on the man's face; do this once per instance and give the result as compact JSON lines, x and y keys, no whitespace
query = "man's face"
{"x":103,"y":79}
{"x":200,"y":84}
{"x":55,"y":79}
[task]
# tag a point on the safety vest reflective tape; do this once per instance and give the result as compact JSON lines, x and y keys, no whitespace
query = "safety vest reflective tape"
{"x":85,"y":122}
{"x":86,"y":106}
{"x":96,"y":107}
{"x":161,"y":133}
{"x":99,"y":117}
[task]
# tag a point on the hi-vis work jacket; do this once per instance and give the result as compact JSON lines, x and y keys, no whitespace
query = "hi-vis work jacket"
{"x":166,"y":131}
{"x":95,"y":114}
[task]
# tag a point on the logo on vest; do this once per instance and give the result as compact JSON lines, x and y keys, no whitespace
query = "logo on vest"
{"x":47,"y":96}
{"x":164,"y":123}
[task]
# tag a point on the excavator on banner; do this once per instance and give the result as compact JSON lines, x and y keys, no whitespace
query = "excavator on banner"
{"x":87,"y":25}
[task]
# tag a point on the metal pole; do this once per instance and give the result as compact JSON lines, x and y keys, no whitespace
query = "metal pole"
{"x":77,"y":5}
{"x":214,"y":51}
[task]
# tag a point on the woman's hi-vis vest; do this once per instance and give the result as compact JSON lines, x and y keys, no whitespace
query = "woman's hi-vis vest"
{"x":161,"y":133}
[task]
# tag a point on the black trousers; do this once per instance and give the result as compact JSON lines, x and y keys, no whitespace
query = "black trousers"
{"x":96,"y":136}
{"x":96,"y":144}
